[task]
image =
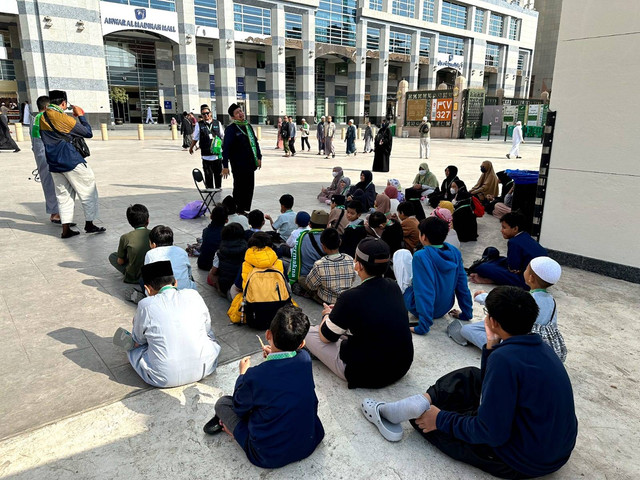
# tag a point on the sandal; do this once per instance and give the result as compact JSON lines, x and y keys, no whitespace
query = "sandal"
{"x":95,"y":229}
{"x":371,"y":410}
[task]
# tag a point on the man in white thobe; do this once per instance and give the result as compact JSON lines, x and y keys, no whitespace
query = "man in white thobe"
{"x":173,"y":340}
{"x":149,"y":116}
{"x":26,"y":115}
{"x":517,"y":139}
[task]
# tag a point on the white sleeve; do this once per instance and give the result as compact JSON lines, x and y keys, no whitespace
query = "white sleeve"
{"x":139,"y":325}
{"x":481,"y":298}
{"x":216,"y":261}
{"x":196,"y":132}
{"x":221,"y":130}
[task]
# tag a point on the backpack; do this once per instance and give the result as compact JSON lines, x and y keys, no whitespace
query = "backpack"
{"x":266,"y":291}
{"x":552,"y":336}
{"x":477,"y":207}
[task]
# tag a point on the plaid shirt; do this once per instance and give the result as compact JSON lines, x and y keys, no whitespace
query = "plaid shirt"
{"x":331,"y":275}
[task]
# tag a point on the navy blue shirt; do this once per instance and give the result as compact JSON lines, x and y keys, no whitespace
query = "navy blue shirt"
{"x":211,"y":238}
{"x":277,"y":403}
{"x":526,"y":412}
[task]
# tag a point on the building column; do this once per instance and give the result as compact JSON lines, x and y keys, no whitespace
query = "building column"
{"x":16,"y":55}
{"x":379,"y":75}
{"x":330,"y":89}
{"x":433,"y":60}
{"x":251,"y":85}
{"x":414,"y":63}
{"x":275,"y":66}
{"x":510,"y":67}
{"x":358,"y":77}
{"x":31,"y":54}
{"x":478,"y":53}
{"x":437,"y":12}
{"x":185,"y":59}
{"x":224,"y":61}
{"x":305,"y":70}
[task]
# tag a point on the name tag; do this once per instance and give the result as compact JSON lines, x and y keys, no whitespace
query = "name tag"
{"x":210,"y":136}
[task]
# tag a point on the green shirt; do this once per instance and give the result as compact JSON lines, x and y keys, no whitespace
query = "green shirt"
{"x":132,"y":248}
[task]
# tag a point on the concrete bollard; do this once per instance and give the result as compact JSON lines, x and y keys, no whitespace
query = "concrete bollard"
{"x":104,"y":131}
{"x":19,"y":133}
{"x":140,"y":132}
{"x":343,"y":134}
{"x":359,"y":133}
{"x":259,"y":133}
{"x":174,"y":132}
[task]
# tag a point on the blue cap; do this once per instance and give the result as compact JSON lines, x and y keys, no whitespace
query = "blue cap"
{"x":302,"y":219}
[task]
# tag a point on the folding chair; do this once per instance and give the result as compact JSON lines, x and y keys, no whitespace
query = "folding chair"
{"x":207,"y":194}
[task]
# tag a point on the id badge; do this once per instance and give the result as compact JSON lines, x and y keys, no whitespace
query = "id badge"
{"x":211,"y":136}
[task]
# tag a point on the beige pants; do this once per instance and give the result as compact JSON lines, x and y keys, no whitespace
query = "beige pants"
{"x":82,"y":182}
{"x":327,"y":353}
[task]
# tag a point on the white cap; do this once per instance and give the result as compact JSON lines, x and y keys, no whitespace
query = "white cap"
{"x":518,"y":122}
{"x":547,"y":269}
{"x":424,"y":119}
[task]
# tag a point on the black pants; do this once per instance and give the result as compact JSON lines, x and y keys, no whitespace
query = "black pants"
{"x":459,"y":391}
{"x":304,"y":140}
{"x":212,"y":170}
{"x":292,"y":146}
{"x":243,"y":184}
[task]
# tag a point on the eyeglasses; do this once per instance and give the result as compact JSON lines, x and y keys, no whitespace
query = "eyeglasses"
{"x":206,"y":113}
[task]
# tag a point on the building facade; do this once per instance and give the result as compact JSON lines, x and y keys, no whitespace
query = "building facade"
{"x":546,"y":44}
{"x":304,"y":58}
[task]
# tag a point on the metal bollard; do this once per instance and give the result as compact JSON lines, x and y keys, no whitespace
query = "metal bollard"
{"x":259,"y":133}
{"x":174,"y":132}
{"x":19,"y":133}
{"x":140,"y":132}
{"x":506,"y":130}
{"x":104,"y":131}
{"x":473,"y":132}
{"x":489,"y":134}
{"x":343,"y":134}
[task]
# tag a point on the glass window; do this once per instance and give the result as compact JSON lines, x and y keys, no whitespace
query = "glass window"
{"x":336,"y":22}
{"x":523,"y":60}
{"x":290,"y":83}
{"x":492,"y":56}
{"x":425,"y":46}
{"x":373,"y":38}
{"x":320,"y":87}
{"x":206,"y":13}
{"x":451,"y":45}
{"x":400,"y":43}
{"x":405,"y":8}
{"x":513,"y":28}
{"x":454,"y":15}
{"x":478,"y":25}
{"x":293,"y":25}
{"x":428,"y":10}
{"x":252,"y":19}
{"x":7,"y":70}
{"x":375,"y":5}
{"x":260,"y":60}
{"x":342,"y":69}
{"x":168,"y":5}
{"x":495,"y":24}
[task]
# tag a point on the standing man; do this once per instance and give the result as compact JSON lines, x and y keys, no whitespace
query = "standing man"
{"x":37,"y":146}
{"x":26,"y":114}
{"x":292,"y":136}
{"x":320,"y":135}
{"x":284,"y":134}
{"x":329,"y":132}
{"x":425,"y":138}
{"x":208,"y":133}
{"x":186,"y":129}
{"x":517,"y":140}
{"x":350,"y":138}
{"x":240,"y":148}
{"x":304,"y":135}
{"x":149,"y":116}
{"x":70,"y":172}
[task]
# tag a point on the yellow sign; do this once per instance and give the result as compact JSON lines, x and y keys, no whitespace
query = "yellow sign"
{"x":416,"y":109}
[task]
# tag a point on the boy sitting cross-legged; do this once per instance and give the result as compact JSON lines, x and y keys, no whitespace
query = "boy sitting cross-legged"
{"x":273,"y":413}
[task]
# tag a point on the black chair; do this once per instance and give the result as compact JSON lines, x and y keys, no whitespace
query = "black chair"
{"x":207,"y":194}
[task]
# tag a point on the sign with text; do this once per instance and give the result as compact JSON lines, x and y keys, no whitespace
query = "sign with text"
{"x":116,"y":17}
{"x":448,"y":60}
{"x":437,"y":105}
{"x":441,"y":109}
{"x":416,"y":109}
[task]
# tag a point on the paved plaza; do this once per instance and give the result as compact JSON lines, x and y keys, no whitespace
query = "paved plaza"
{"x":72,"y":407}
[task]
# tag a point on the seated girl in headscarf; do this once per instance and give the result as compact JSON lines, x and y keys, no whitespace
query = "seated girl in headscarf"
{"x":396,"y":183}
{"x":343,"y":186}
{"x":383,"y":204}
{"x":325,"y":194}
{"x":487,"y":183}
{"x":368,"y":188}
{"x":464,"y":220}
{"x":507,"y":187}
{"x":392,"y":193}
{"x":445,"y":214}
{"x":424,"y":183}
{"x":444,"y":192}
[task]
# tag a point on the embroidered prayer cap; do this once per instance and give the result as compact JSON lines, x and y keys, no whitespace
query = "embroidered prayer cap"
{"x":320,"y":217}
{"x":233,"y":108}
{"x":338,"y":199}
{"x":154,"y":270}
{"x":547,"y":269}
{"x":302,"y":219}
{"x":372,"y":251}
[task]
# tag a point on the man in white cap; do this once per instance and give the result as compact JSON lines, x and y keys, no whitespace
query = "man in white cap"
{"x":425,"y":138}
{"x":517,"y":139}
{"x":542,"y":273}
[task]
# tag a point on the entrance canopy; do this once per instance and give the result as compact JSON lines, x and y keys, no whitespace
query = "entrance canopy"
{"x":117,"y":17}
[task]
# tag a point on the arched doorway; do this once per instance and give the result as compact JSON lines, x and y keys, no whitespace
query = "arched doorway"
{"x":448,"y":76}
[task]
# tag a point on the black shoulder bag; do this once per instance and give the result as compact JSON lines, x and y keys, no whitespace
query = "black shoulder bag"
{"x":78,"y":142}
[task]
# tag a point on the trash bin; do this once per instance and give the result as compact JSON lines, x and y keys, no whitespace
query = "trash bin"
{"x":392,"y":127}
{"x":524,"y":193}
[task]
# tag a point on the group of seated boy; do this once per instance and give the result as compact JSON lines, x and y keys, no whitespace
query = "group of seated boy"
{"x":379,"y":280}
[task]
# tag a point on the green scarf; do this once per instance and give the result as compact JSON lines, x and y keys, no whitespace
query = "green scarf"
{"x":249,"y":134}
{"x":35,"y":129}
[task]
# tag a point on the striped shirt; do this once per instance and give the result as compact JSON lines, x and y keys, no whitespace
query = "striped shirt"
{"x":330,"y":276}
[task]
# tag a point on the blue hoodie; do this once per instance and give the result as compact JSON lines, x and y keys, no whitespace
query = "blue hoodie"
{"x":438,"y":279}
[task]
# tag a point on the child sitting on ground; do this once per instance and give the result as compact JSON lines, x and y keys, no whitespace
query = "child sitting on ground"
{"x":302,"y":221}
{"x":211,"y":238}
{"x":286,"y":222}
{"x":133,"y":245}
{"x":542,"y":273}
{"x":406,"y":214}
{"x":332,"y":274}
{"x":273,"y":414}
{"x":162,"y":248}
{"x":256,"y":222}
{"x":227,"y":262}
{"x":354,"y":232}
{"x":232,"y":211}
{"x":338,"y":214}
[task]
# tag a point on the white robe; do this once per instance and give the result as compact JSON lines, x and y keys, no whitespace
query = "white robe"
{"x":177,"y":344}
{"x":516,"y":138}
{"x":26,"y":117}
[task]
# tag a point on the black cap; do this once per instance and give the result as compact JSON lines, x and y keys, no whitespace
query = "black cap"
{"x":233,"y":108}
{"x":57,"y":94}
{"x":154,"y":270}
{"x":338,"y":199}
{"x":372,"y":251}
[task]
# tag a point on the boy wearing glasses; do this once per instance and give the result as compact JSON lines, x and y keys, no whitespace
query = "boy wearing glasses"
{"x":208,"y":136}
